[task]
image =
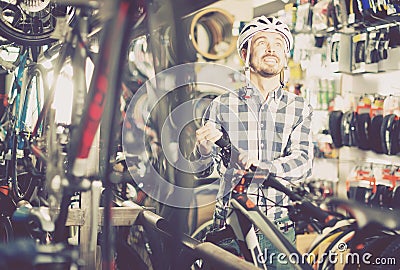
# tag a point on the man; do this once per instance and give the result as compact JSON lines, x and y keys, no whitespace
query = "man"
{"x":270,"y":126}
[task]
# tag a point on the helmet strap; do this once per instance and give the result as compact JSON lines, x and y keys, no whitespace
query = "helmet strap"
{"x":247,"y":63}
{"x":282,"y":77}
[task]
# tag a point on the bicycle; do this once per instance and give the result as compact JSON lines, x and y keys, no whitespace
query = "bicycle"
{"x":34,"y":23}
{"x":336,"y":229}
{"x":100,"y":105}
{"x":376,"y":234}
{"x":19,"y":170}
{"x":26,"y":123}
{"x":40,"y":139}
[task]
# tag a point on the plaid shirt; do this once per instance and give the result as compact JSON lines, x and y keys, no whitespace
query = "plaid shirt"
{"x":275,"y":131}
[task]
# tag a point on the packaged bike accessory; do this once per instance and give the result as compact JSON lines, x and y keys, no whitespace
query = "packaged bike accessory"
{"x":335,"y":119}
{"x":365,"y":54}
{"x":354,"y":14}
{"x":339,"y":53}
{"x":303,"y":18}
{"x":320,"y":18}
{"x":390,"y":134}
{"x":383,"y":44}
{"x":363,"y":121}
{"x":374,"y":132}
{"x":341,"y":12}
{"x":372,"y":50}
{"x":348,"y":128}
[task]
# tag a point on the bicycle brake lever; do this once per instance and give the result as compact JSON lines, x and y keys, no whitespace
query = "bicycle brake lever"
{"x":229,"y":153}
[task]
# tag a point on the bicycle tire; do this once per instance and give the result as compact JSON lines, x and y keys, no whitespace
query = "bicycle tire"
{"x":129,"y":254}
{"x":134,"y":251}
{"x":29,"y":28}
{"x":200,"y":234}
{"x":23,"y":180}
{"x":334,"y":247}
{"x":375,"y":248}
{"x":391,"y":251}
{"x":6,"y":230}
{"x":202,"y":230}
{"x":326,"y":234}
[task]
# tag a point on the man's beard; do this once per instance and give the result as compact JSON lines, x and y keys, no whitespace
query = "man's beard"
{"x":267,"y":72}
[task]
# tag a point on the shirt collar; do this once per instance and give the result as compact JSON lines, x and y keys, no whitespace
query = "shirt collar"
{"x":248,"y":92}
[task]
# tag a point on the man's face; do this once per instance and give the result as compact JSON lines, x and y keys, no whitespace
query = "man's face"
{"x":268,"y":56}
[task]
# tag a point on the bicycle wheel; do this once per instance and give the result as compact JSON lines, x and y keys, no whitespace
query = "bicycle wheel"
{"x":389,"y":259}
{"x":6,"y":230}
{"x":31,"y":22}
{"x":202,"y":230}
{"x":374,"y":248}
{"x":135,"y":251}
{"x":26,"y":165}
{"x":338,"y":245}
{"x":200,"y":234}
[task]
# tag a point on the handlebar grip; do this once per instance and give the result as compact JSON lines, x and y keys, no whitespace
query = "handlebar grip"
{"x":231,"y":155}
{"x":314,"y":211}
{"x":272,"y":182}
{"x":308,"y":208}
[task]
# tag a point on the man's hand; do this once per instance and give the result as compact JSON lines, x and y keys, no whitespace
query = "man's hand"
{"x":206,"y":136}
{"x":246,"y":161}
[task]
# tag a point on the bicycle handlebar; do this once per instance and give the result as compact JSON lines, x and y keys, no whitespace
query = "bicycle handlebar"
{"x":367,"y":216}
{"x":229,"y":153}
{"x":303,"y":204}
{"x":230,"y":157}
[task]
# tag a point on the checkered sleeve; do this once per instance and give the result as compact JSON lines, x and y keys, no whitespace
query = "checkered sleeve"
{"x":296,"y":164}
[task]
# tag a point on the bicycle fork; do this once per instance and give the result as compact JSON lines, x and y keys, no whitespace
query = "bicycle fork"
{"x":245,"y":233}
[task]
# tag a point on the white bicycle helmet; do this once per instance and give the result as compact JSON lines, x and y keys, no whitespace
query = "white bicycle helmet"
{"x":256,"y":25}
{"x":263,"y":23}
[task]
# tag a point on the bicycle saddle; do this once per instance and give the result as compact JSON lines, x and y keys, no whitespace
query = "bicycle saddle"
{"x":367,"y":216}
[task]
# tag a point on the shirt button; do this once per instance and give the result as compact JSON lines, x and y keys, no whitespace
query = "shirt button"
{"x":262,"y":107}
{"x":262,"y":145}
{"x":262,"y":125}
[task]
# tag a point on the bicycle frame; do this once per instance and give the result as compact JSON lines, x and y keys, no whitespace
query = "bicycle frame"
{"x":244,"y":213}
{"x":16,"y":96}
{"x":193,"y":249}
{"x":101,"y":102}
{"x":25,"y":104}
